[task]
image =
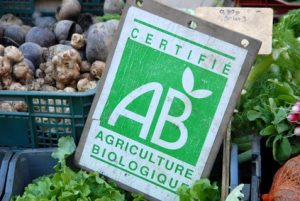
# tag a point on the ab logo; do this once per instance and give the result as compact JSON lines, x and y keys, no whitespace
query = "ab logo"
{"x":164,"y":116}
{"x":163,"y":102}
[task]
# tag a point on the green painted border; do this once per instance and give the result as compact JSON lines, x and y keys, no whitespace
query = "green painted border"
{"x":185,"y":39}
{"x":104,"y":161}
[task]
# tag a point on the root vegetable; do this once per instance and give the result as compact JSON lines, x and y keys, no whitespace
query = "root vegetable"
{"x":41,"y":36}
{"x":85,"y":67}
{"x":65,"y":29}
{"x":85,"y":84}
{"x":48,"y":88}
{"x":97,"y":69}
{"x":13,"y":54}
{"x":87,"y":76}
{"x":48,"y":70}
{"x":26,"y":29}
{"x":10,"y":19}
{"x":66,"y":68}
{"x":69,"y":9}
{"x":77,"y":41}
{"x":19,"y":106}
{"x":54,"y":50}
{"x":43,"y":22}
{"x":14,"y":35}
{"x":30,"y":65}
{"x":32,"y":52}
{"x":23,"y":73}
{"x":16,"y":86}
{"x":113,"y":6}
{"x":5,"y":72}
{"x":36,"y":85}
{"x":99,"y":40}
{"x":85,"y":20}
{"x":69,"y":89}
{"x":6,"y":106}
{"x":39,"y":73}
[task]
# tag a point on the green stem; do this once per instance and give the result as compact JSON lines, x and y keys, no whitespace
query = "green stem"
{"x":245,"y":156}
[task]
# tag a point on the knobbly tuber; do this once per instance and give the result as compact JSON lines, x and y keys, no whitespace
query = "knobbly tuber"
{"x":5,"y":72}
{"x":48,"y":70}
{"x":97,"y":69}
{"x":13,"y":54}
{"x":19,"y":106}
{"x":23,"y":73}
{"x":69,"y":90}
{"x":16,"y":86}
{"x":41,"y":36}
{"x":99,"y":40}
{"x":54,"y":50}
{"x":85,"y":84}
{"x":48,"y":88}
{"x":69,"y":9}
{"x":39,"y":73}
{"x":66,"y":68}
{"x":77,"y":41}
{"x":36,"y":85}
{"x":33,"y":52}
{"x":6,"y":106}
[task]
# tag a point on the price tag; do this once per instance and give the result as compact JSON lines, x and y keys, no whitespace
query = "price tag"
{"x":254,"y":22}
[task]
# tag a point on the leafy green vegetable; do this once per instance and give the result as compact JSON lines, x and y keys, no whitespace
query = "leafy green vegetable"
{"x":270,"y":90}
{"x":202,"y":190}
{"x":107,"y":17}
{"x":66,"y":184}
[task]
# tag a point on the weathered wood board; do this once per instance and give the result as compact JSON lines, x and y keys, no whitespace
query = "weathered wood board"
{"x":165,"y":101}
{"x":254,"y":22}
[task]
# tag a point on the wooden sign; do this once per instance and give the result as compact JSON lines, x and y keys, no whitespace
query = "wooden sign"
{"x":165,"y":101}
{"x":254,"y":22}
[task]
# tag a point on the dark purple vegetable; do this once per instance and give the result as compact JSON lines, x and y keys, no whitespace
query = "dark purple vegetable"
{"x":99,"y":40}
{"x":14,"y":35}
{"x":41,"y":36}
{"x":32,"y":52}
{"x":64,"y":29}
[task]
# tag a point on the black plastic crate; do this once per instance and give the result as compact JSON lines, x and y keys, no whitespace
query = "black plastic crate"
{"x":26,"y":166}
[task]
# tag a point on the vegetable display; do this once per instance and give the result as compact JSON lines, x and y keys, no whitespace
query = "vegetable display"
{"x":270,"y":93}
{"x":67,"y":184}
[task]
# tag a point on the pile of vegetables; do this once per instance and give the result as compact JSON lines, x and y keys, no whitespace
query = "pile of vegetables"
{"x":66,"y":53}
{"x":69,"y":183}
{"x":271,"y":91}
